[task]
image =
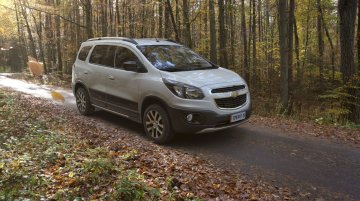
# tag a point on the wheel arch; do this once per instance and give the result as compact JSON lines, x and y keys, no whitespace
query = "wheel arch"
{"x":150,"y":100}
{"x":79,"y":84}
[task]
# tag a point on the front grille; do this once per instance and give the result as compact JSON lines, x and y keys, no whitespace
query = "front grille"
{"x":231,"y":102}
{"x":228,"y":89}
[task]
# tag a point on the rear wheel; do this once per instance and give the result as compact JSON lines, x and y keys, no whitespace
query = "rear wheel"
{"x":157,"y":124}
{"x":83,"y":102}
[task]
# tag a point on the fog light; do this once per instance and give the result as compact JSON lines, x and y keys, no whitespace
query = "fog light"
{"x":189,"y":117}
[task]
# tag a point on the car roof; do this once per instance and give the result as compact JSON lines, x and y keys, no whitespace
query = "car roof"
{"x":155,"y":41}
{"x":135,"y":41}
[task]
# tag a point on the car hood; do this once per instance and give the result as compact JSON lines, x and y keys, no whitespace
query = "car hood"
{"x":200,"y":78}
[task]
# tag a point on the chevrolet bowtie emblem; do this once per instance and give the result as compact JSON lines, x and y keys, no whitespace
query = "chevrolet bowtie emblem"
{"x":234,"y":94}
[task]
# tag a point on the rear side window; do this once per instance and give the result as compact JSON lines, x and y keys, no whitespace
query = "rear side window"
{"x":103,"y":55}
{"x":84,"y":52}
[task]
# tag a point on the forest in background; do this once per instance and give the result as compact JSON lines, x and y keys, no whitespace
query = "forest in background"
{"x":300,"y":58}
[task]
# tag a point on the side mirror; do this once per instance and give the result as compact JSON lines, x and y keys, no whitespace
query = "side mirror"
{"x":134,"y":66}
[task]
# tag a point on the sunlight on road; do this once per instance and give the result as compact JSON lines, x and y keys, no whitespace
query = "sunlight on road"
{"x":36,"y":90}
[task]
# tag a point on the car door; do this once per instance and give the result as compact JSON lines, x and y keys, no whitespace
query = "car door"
{"x":100,"y":61}
{"x":123,"y":85}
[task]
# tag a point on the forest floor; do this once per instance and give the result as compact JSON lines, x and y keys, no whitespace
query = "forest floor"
{"x":188,"y":169}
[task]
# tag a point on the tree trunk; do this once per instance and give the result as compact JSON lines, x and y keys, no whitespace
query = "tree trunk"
{"x":320,"y":42}
{"x":153,"y":22}
{"x":88,"y":17}
{"x":161,"y":13}
{"x":187,"y":33}
{"x":177,"y":16}
{"x":118,"y":20}
{"x":284,"y":54}
{"x":297,"y":51}
{"x":250,"y":38}
{"x":347,"y":14}
{"x":58,"y":41}
{"x":173,"y":21}
{"x":330,"y":42}
{"x":213,"y":53}
{"x":222,"y":35}
{"x":49,"y":33}
{"x":260,"y":34}
{"x":290,"y":44}
{"x":253,"y":31}
{"x":167,"y":32}
{"x":30,"y":36}
{"x":232,"y":32}
{"x":40,"y":41}
{"x":124,"y":31}
{"x":268,"y":50}
{"x":244,"y":38}
{"x":290,"y":53}
{"x":104,"y":23}
{"x":358,"y":37}
{"x":111,"y":18}
{"x":21,"y":41}
{"x":307,"y":36}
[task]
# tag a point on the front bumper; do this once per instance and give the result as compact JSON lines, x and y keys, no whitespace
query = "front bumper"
{"x":203,"y":121}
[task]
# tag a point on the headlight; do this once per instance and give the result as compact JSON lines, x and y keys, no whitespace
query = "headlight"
{"x":183,"y":90}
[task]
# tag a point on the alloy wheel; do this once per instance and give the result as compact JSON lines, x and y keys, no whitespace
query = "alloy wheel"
{"x":154,"y":124}
{"x":81,"y":100}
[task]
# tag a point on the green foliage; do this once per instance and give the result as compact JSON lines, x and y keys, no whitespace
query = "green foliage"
{"x":7,"y":21}
{"x":131,"y":188}
{"x":334,"y":101}
{"x":3,"y":69}
{"x":98,"y":170}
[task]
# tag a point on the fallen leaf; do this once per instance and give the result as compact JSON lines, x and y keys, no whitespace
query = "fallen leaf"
{"x":57,"y":96}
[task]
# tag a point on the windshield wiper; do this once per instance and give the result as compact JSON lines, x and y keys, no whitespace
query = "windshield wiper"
{"x":205,"y":68}
{"x":174,"y":69}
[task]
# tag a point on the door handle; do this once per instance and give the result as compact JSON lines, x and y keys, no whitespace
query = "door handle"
{"x":111,"y":77}
{"x":86,"y":72}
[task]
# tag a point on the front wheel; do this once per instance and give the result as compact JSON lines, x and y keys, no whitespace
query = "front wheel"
{"x":83,"y":102}
{"x":157,"y":124}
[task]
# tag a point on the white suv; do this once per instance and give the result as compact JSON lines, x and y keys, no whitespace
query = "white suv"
{"x":163,"y":85}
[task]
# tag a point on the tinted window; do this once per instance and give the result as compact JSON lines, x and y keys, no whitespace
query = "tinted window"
{"x":174,"y":58}
{"x":103,"y":55}
{"x":84,"y":52}
{"x":123,"y":55}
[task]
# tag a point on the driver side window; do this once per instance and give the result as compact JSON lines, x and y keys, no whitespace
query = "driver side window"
{"x":123,"y":55}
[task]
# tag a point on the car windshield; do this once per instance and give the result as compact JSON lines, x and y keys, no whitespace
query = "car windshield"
{"x":174,"y":58}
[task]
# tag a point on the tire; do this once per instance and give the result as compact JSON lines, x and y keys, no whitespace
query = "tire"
{"x":83,"y":101}
{"x":157,"y":124}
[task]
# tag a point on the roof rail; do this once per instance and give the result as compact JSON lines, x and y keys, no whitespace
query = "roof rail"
{"x":171,"y":40}
{"x":130,"y":40}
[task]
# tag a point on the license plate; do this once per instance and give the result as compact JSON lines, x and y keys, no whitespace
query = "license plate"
{"x":237,"y":117}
